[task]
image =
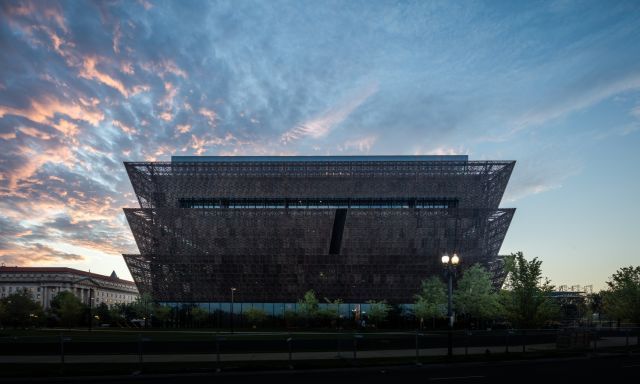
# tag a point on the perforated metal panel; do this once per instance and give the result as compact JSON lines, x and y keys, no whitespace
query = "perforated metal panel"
{"x":277,"y":254}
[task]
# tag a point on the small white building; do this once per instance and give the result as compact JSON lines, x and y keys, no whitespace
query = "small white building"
{"x":44,"y":283}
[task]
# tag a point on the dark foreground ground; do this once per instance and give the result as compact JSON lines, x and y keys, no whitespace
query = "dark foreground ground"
{"x":619,"y":368}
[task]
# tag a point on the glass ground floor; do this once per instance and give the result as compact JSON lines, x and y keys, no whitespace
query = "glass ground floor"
{"x":279,"y":310}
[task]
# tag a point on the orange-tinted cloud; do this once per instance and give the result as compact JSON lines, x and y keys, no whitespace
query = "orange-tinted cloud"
{"x":23,"y":255}
{"x":164,"y":67}
{"x":8,"y":136}
{"x":125,"y":128}
{"x":33,"y":132}
{"x":127,"y":67}
{"x":43,"y":111}
{"x":183,"y":128}
{"x":89,"y":71}
{"x":33,"y":159}
{"x":210,"y":114}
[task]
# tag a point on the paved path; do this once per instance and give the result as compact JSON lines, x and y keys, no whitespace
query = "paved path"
{"x":347,"y":354}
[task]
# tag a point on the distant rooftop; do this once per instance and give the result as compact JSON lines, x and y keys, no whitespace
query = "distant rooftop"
{"x":58,"y":270}
{"x":228,"y":159}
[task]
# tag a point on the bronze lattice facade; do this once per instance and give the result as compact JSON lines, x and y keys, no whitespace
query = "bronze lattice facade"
{"x":355,"y":228}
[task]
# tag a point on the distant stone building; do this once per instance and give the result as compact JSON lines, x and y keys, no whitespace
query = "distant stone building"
{"x":45,"y":283}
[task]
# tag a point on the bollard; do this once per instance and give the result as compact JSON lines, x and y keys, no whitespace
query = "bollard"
{"x":355,"y":346}
{"x":62,"y":341}
{"x":627,"y":343}
{"x":417,"y":348}
{"x":218,"y":354}
{"x":61,"y":349}
{"x":289,"y":342}
{"x":466,"y":342}
{"x":61,"y":353}
{"x":506,"y":342}
{"x":140,"y":351}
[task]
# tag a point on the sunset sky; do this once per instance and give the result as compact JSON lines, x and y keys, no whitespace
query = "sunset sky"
{"x":554,"y":85}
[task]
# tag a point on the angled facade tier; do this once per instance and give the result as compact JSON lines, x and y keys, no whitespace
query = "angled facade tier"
{"x":354,"y":228}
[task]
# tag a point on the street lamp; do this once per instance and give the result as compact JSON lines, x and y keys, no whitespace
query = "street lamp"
{"x":233,"y":289}
{"x":450,"y":264}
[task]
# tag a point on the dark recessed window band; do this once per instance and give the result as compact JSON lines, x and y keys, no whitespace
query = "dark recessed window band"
{"x":420,"y":203}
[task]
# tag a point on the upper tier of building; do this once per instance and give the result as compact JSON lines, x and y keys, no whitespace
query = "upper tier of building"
{"x":471,"y":184}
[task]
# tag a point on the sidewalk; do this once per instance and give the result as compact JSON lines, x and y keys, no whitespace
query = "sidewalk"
{"x":345,"y":354}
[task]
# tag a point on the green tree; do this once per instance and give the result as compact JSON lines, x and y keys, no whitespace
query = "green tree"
{"x":431,"y":301}
{"x":103,"y":313}
{"x":331,"y":313}
{"x":143,"y":307}
{"x":162,"y":314}
{"x":474,"y":297}
{"x":378,"y":311}
{"x":122,"y":313}
{"x":621,"y":300}
{"x":291,"y":318}
{"x":3,"y":313}
{"x":308,"y":306}
{"x":595,"y":306}
{"x":527,"y":299}
{"x":19,"y":309}
{"x":255,"y":316}
{"x":68,"y":308}
{"x":198,"y":316}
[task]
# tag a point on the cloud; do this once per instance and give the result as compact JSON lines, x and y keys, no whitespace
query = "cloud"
{"x":183,"y":128}
{"x":210,"y":115}
{"x":46,"y":108}
{"x":34,"y":254}
{"x":532,"y":175}
{"x":89,"y":71}
{"x":34,"y":160}
{"x":578,"y":96}
{"x":362,"y":144}
{"x":321,"y":125}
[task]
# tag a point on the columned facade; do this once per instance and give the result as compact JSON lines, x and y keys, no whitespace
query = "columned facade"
{"x":45,"y":283}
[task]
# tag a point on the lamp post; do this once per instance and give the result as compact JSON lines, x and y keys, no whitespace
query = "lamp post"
{"x":233,"y":289}
{"x":450,"y":264}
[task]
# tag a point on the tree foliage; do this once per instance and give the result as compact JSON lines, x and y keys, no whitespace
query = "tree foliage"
{"x":527,"y":298}
{"x":308,"y":306}
{"x":162,"y":314}
{"x":378,"y":311}
{"x":255,"y":316}
{"x":142,"y":307}
{"x":431,"y":301}
{"x":20,"y":310}
{"x":103,"y":313}
{"x":622,"y":298}
{"x":474,"y":296}
{"x":331,"y":313}
{"x":198,"y":315}
{"x":68,"y":308}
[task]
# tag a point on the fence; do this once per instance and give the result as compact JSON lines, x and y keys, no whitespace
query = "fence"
{"x":217,"y":349}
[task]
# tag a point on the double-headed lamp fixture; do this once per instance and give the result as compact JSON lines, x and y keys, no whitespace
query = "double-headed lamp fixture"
{"x":453,"y":259}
